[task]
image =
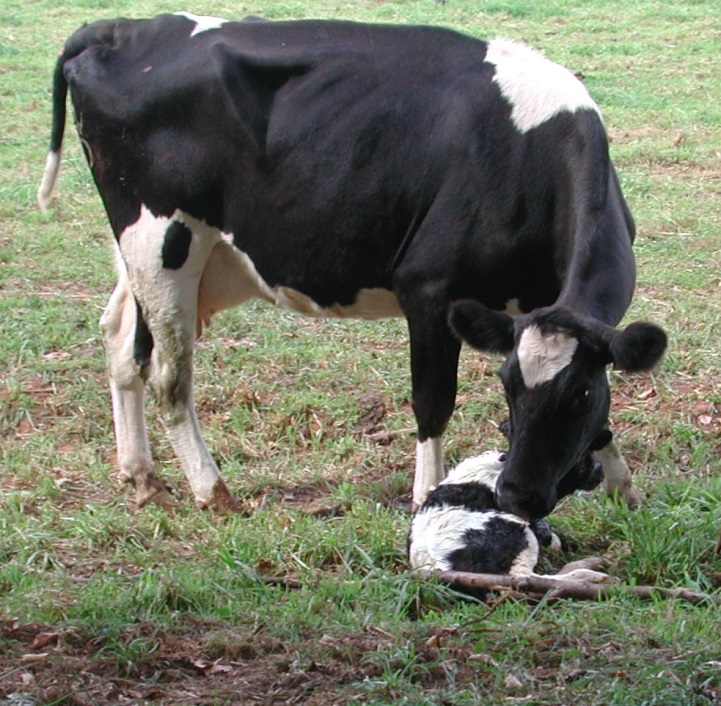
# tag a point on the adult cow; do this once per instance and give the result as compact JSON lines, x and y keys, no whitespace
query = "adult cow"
{"x":343,"y":169}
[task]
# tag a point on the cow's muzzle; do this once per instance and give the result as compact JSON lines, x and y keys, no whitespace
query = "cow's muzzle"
{"x":528,"y":503}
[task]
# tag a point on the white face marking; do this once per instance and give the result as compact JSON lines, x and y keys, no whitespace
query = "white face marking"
{"x":483,"y":469}
{"x":203,"y":23}
{"x":543,"y":356}
{"x":536,"y":88}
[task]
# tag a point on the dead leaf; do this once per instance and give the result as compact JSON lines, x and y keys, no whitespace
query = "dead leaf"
{"x":34,"y":658}
{"x":513,"y":682}
{"x":483,"y":658}
{"x":705,"y":419}
{"x":43,"y":639}
{"x":56,"y":355}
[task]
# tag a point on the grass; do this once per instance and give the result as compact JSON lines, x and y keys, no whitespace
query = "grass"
{"x":158,"y":607}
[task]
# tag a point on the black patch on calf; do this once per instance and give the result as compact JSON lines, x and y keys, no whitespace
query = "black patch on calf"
{"x":176,"y":245}
{"x":491,"y":550}
{"x":469,"y":496}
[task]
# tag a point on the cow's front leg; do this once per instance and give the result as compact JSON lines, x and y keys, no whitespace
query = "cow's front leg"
{"x":434,"y":367}
{"x":118,"y":324}
{"x":616,"y":475}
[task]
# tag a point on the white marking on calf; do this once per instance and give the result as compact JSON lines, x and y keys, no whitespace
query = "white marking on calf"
{"x":542,"y":356}
{"x":483,"y":469}
{"x":203,"y":23}
{"x":536,"y":87}
{"x":429,"y":469}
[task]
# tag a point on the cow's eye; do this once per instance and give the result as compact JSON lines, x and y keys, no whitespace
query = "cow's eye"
{"x":581,"y":399}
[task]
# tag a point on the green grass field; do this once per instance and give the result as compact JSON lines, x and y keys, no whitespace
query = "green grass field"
{"x":100,"y":604}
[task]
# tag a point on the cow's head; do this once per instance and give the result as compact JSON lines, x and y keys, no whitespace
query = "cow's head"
{"x":557,"y":390}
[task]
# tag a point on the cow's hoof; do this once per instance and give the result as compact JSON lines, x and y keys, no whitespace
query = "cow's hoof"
{"x":221,"y":500}
{"x":149,"y":489}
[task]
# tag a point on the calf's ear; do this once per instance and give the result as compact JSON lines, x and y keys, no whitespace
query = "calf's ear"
{"x":481,"y":327}
{"x":638,"y":347}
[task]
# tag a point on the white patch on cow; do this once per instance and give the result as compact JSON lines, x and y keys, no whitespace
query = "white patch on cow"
{"x":231,"y":278}
{"x":203,"y":23}
{"x":483,"y":469}
{"x":536,"y":87}
{"x":49,"y":180}
{"x":370,"y":303}
{"x":542,"y":356}
{"x":429,"y":469}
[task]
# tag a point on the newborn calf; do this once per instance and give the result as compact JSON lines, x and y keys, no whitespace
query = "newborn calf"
{"x":460,"y":528}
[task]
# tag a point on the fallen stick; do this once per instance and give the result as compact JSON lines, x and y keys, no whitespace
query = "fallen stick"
{"x":558,"y":587}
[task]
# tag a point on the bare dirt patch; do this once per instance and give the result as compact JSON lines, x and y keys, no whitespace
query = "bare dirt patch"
{"x":198,"y":663}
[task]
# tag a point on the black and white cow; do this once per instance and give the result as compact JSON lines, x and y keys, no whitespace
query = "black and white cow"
{"x":460,"y":527}
{"x":343,"y":169}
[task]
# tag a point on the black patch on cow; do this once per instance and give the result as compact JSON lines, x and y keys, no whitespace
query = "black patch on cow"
{"x":469,"y":496}
{"x":143,"y":344}
{"x":491,"y":550}
{"x":176,"y":245}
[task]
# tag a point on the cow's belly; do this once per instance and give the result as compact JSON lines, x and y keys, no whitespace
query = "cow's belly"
{"x":231,"y":278}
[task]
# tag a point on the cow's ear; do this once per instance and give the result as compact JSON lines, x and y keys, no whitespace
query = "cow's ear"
{"x":638,"y":347}
{"x":601,"y":440}
{"x":481,"y":327}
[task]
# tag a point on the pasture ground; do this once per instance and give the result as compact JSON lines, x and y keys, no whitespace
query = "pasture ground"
{"x":304,"y":597}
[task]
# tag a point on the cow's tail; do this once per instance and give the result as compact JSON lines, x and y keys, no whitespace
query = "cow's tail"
{"x":52,"y":163}
{"x":101,"y":32}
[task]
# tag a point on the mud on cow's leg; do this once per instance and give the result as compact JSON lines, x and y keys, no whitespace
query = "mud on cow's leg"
{"x":617,"y":478}
{"x":127,"y":389}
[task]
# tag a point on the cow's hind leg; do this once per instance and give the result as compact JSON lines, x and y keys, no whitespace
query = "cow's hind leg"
{"x":616,"y":475}
{"x":118,"y":326}
{"x":165,"y":259}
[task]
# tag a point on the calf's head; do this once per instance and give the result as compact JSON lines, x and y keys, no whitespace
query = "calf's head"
{"x":554,"y":377}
